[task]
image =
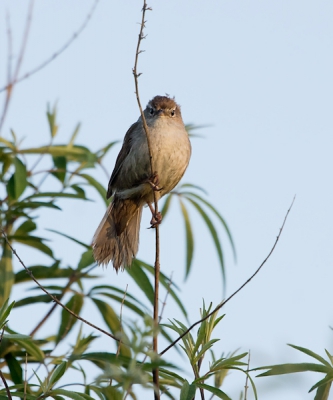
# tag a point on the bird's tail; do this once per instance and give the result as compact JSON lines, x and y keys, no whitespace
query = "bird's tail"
{"x":117,"y":237}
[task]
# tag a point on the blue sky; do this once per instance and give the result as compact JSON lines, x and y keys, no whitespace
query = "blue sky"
{"x":259,"y":75}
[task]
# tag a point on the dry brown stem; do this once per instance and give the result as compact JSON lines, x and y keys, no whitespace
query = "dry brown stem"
{"x":153,"y":171}
{"x":49,"y":294}
{"x":219,"y":306}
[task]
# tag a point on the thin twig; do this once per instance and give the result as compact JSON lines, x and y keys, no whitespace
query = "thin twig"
{"x":219,"y":306}
{"x":73,"y":278}
{"x":247,"y":376}
{"x":10,"y":48}
{"x":49,"y":294}
{"x":25,"y":376}
{"x":6,"y":386}
{"x":10,"y":85}
{"x":2,"y":333}
{"x":165,"y":300}
{"x":57,"y":53}
{"x":157,"y":231}
{"x":120,"y":319}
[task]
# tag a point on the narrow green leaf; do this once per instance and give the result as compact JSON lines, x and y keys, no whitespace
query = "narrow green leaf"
{"x":60,"y":164}
{"x":217,"y":392}
{"x":5,"y":311}
{"x":55,"y":195}
{"x":141,"y":279}
{"x":86,"y":260}
{"x":51,"y":117}
{"x":187,"y":391}
{"x":35,"y":242}
{"x":75,"y":133}
{"x":26,"y":227}
{"x":214,"y":235}
{"x":292,"y":368}
{"x":43,"y":272}
{"x":166,"y":204}
{"x":71,"y":238}
{"x":165,"y":281}
{"x":42,"y":298}
{"x":56,"y":374}
{"x":6,"y":274}
{"x":68,"y":320}
{"x":112,"y":321}
{"x":68,"y":393}
{"x":94,"y":183}
{"x":18,"y":181}
{"x":14,"y":368}
{"x":219,"y":216}
{"x":311,"y":354}
{"x":31,"y":349}
{"x":189,"y":238}
{"x":23,"y":205}
{"x":323,"y":391}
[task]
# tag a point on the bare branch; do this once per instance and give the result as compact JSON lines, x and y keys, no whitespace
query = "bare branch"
{"x":10,"y":85}
{"x":49,"y":294}
{"x":57,"y":53}
{"x":120,"y":319}
{"x":6,"y":386}
{"x":247,"y":376}
{"x":219,"y":306}
{"x":153,"y":171}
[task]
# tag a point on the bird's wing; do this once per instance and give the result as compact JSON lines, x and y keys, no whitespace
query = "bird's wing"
{"x":126,"y":147}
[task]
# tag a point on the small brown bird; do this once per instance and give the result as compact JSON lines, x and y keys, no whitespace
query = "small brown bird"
{"x":132,"y":182}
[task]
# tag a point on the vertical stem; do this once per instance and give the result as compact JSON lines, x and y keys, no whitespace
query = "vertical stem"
{"x":157,"y":236}
{"x":156,"y":317}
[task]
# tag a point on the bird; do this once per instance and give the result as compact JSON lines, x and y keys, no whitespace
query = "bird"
{"x":133,"y":182}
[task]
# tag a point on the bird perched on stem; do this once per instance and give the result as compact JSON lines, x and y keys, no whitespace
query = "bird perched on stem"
{"x":133,"y":181}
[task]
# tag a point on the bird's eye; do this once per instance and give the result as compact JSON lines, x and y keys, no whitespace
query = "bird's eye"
{"x":151,"y":111}
{"x":173,"y":112}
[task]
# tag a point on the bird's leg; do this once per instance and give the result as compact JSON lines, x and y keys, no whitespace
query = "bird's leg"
{"x":156,"y":217}
{"x":154,"y":182}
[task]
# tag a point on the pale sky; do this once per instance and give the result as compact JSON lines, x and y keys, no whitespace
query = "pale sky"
{"x":259,"y":75}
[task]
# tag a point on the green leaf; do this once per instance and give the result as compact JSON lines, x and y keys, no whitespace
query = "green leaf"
{"x":68,"y":320}
{"x":14,"y":368}
{"x":42,"y":298}
{"x":31,"y":348}
{"x":141,"y":280}
{"x":6,"y":274}
{"x":214,"y":235}
{"x":35,"y":242}
{"x":86,"y":260}
{"x":4,"y":312}
{"x":18,"y":181}
{"x":69,"y":393}
{"x":60,"y":164}
{"x":219,"y":216}
{"x":311,"y":354}
{"x":43,"y":272}
{"x":71,"y":238}
{"x":165,"y":281}
{"x":187,"y":391}
{"x":55,"y":195}
{"x":323,"y":391}
{"x":166,"y":204}
{"x":189,"y":238}
{"x":75,"y":133}
{"x":217,"y":392}
{"x":292,"y":368}
{"x":94,"y":183}
{"x":56,"y":374}
{"x":51,"y":117}
{"x":26,"y":227}
{"x":112,"y":321}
